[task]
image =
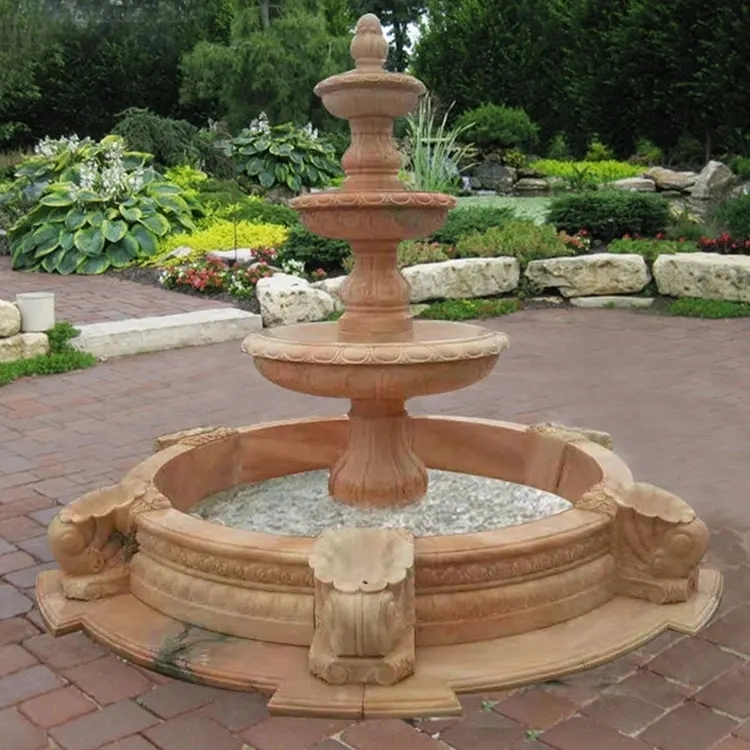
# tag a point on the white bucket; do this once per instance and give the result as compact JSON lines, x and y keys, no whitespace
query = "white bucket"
{"x":37,"y":311}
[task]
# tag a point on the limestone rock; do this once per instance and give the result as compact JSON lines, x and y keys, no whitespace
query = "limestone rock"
{"x":714,"y":182}
{"x":669,"y":179}
{"x":706,"y":275}
{"x":462,"y":279}
{"x":609,"y":301}
{"x":10,"y":319}
{"x":635,"y":184}
{"x":588,"y":275}
{"x":243,"y":256}
{"x":286,"y":299}
{"x":23,"y":346}
{"x":494,"y":175}
{"x":531,"y":185}
{"x":331,"y":285}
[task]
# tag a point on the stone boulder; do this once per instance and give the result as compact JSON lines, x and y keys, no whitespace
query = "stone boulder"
{"x":589,"y":275}
{"x":462,"y":279}
{"x":715,"y":182}
{"x":492,"y":174}
{"x":532,"y":185}
{"x":10,"y":319}
{"x":669,"y":179}
{"x":634,"y":184}
{"x":705,"y":275}
{"x":286,"y":299}
{"x":23,"y":346}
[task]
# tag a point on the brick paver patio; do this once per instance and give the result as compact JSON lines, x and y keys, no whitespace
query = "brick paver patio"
{"x":97,"y":299}
{"x":673,"y":393}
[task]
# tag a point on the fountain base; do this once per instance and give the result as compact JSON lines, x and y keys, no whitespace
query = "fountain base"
{"x":489,"y":609}
{"x":164,"y":644}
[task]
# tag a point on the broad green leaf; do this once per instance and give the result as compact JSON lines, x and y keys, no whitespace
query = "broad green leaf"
{"x":148,"y":207}
{"x":89,"y":241}
{"x":75,"y":220}
{"x":95,"y":218}
{"x":294,"y":182}
{"x":262,"y":144}
{"x":94,"y":265}
{"x":66,"y":240}
{"x":267,"y":178}
{"x":68,"y":262}
{"x":130,"y":244}
{"x":51,"y":261}
{"x":147,"y":241}
{"x":114,"y":231}
{"x":254,"y":167}
{"x":130,"y":213}
{"x":281,"y":172}
{"x":172,"y":202}
{"x":45,"y":233}
{"x":88,"y":196}
{"x":47,"y":246}
{"x":164,"y":188}
{"x":119,"y":255}
{"x":157,"y":224}
{"x":57,"y":200}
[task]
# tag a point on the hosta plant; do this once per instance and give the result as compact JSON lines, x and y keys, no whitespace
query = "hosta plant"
{"x":104,"y":212}
{"x":285,"y":156}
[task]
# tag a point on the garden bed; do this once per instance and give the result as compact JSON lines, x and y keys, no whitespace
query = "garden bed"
{"x":152,"y":277}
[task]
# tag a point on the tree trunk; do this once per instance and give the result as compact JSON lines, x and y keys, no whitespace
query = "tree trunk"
{"x":265,"y":13}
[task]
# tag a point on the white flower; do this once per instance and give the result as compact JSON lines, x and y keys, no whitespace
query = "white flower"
{"x":293,"y":267}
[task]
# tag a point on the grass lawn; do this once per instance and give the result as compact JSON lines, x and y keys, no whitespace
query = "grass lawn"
{"x":527,"y":208}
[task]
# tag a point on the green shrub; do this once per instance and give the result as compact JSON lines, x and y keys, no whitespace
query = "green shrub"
{"x":692,"y":307}
{"x":172,"y":142}
{"x":221,"y":234}
{"x":596,"y":172}
{"x":422,"y":251}
{"x":266,"y":213}
{"x":741,"y":167}
{"x":312,"y":252}
{"x":647,"y":152}
{"x":284,"y":156}
{"x":651,"y":249}
{"x":735,"y":214}
{"x":464,"y":221}
{"x":62,"y":357}
{"x":597,"y":151}
{"x":495,"y":127}
{"x":610,"y":214}
{"x":105,"y":209}
{"x":520,"y":239}
{"x":470,"y":309}
{"x":216,"y":194}
{"x":558,"y":149}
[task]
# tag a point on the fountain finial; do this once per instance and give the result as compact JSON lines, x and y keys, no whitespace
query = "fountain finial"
{"x":369,"y":47}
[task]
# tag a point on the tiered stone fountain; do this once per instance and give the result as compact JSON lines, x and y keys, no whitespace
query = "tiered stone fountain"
{"x":177,"y":569}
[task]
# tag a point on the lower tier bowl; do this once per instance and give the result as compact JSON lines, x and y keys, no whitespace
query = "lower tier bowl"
{"x":234,"y":608}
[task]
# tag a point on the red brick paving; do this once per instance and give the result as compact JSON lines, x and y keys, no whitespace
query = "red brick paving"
{"x":673,"y":393}
{"x":97,"y":299}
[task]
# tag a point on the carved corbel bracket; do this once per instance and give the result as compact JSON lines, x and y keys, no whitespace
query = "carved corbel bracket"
{"x":572,"y":434}
{"x":194,"y":438}
{"x":364,"y":606}
{"x":658,"y":543}
{"x":93,"y":538}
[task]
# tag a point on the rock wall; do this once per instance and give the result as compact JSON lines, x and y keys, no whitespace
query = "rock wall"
{"x":15,"y":345}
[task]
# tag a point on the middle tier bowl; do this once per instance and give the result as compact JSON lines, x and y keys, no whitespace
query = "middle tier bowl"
{"x":441,"y":357}
{"x":360,"y":216}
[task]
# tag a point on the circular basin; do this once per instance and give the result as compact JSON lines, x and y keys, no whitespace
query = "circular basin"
{"x":469,"y":587}
{"x":441,"y":357}
{"x":368,"y":216}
